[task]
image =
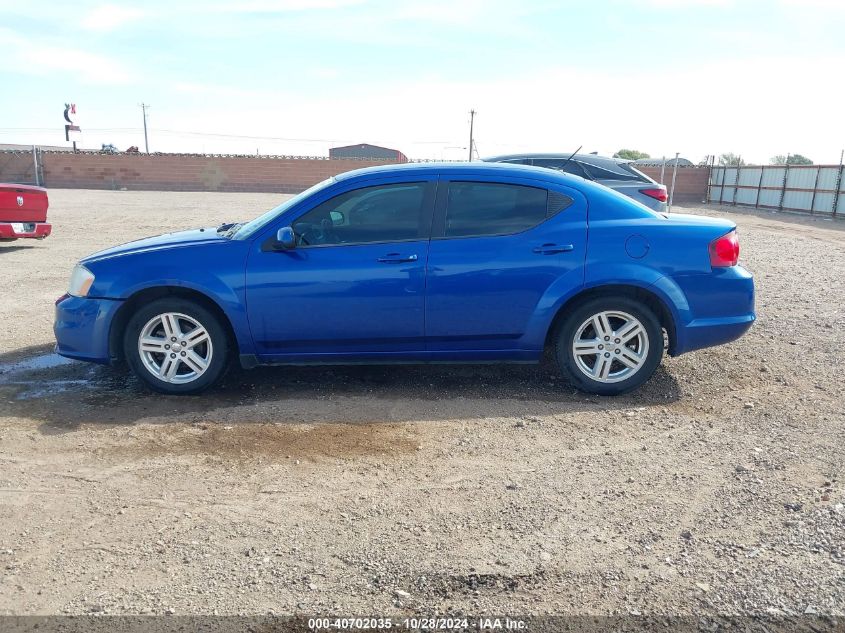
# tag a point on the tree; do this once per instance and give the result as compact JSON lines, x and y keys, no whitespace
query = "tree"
{"x":731,"y":160}
{"x":630,"y":154}
{"x":791,"y":159}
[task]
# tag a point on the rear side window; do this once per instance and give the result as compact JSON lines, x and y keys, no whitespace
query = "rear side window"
{"x":482,"y":208}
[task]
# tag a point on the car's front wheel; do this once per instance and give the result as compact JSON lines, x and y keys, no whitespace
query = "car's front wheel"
{"x":176,"y":346}
{"x":610,"y":345}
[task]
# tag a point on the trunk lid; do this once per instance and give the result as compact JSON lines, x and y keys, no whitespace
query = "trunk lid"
{"x":23,"y":203}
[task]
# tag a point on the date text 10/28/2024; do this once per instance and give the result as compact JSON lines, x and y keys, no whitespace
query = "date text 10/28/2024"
{"x":417,"y":624}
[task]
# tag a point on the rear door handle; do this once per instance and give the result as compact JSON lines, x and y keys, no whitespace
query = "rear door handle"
{"x":397,"y":258}
{"x":551,"y":249}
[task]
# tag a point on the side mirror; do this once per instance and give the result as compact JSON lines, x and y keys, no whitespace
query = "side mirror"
{"x":285,"y":238}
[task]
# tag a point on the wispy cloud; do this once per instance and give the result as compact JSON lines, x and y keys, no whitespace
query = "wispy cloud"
{"x":280,"y":6}
{"x":815,"y":4}
{"x":686,"y":4}
{"x":108,"y":17}
{"x":41,"y":57}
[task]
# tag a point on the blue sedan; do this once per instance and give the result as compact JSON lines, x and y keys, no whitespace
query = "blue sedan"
{"x":457,"y":263}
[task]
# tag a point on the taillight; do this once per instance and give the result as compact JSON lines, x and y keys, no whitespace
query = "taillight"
{"x":724,"y":251}
{"x":657,"y":194}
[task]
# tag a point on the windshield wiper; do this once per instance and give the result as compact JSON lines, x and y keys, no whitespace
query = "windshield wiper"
{"x":229,"y":229}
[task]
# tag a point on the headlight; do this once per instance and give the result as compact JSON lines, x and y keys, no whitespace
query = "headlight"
{"x":80,"y":281}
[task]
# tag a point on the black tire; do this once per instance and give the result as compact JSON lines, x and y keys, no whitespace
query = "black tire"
{"x":217,"y":340}
{"x":577,"y":375}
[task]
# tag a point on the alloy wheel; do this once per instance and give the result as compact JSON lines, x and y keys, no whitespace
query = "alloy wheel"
{"x":610,"y":346}
{"x":175,"y":348}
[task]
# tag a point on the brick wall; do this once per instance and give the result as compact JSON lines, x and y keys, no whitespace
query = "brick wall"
{"x":174,"y":172}
{"x":17,"y":167}
{"x":690,"y":185}
{"x":187,"y":172}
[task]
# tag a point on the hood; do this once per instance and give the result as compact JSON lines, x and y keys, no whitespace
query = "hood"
{"x":179,"y":239}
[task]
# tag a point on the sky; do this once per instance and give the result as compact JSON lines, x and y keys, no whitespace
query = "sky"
{"x":296,"y":77}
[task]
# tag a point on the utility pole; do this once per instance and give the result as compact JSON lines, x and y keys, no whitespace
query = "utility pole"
{"x":674,"y":176}
{"x":471,"y":121}
{"x":144,"y":107}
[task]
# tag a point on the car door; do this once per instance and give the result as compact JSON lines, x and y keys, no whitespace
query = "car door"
{"x":353,"y":286}
{"x":501,"y":254}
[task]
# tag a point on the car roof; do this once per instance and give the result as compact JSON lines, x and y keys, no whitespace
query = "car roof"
{"x":589,"y":159}
{"x":476,"y":168}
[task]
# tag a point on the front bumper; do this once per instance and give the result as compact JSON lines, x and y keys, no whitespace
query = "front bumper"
{"x":82,"y":327}
{"x":20,"y":230}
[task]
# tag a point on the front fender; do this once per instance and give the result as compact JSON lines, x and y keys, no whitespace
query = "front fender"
{"x":216,"y":273}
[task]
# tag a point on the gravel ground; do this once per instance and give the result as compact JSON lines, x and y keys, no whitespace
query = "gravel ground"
{"x":715,"y":489}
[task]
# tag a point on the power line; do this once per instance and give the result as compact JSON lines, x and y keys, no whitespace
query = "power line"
{"x":282,"y":138}
{"x":212,"y":135}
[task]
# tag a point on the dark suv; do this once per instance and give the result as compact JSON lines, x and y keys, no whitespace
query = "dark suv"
{"x":615,"y":173}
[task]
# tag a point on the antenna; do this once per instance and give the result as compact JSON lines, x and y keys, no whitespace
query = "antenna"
{"x":563,"y":164}
{"x":471,"y":121}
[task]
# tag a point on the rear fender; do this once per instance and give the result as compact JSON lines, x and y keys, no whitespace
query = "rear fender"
{"x":627,"y":274}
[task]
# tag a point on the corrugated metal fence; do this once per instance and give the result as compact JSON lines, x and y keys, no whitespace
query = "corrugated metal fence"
{"x":814,"y":189}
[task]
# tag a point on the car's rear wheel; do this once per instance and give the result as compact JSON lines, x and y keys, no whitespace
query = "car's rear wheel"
{"x":176,"y":346}
{"x":610,"y":345}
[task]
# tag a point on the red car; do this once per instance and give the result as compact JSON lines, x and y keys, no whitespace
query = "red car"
{"x":23,"y":212}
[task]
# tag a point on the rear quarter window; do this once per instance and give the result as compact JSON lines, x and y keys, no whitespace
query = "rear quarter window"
{"x":475,"y":209}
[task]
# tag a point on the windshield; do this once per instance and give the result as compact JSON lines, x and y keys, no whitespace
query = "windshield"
{"x":253,"y":226}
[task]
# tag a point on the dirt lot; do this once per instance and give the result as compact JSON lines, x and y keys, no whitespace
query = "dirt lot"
{"x":717,"y":488}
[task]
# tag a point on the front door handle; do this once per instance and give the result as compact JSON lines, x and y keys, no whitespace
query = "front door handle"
{"x":397,"y":258}
{"x":551,"y":249}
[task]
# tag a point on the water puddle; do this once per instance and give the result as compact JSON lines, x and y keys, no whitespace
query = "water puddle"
{"x":44,"y":361}
{"x":39,"y":385}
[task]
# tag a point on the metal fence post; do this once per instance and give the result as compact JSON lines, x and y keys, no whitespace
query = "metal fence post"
{"x":662,"y":171}
{"x":674,"y":176}
{"x":838,"y":184}
{"x":709,"y":179}
{"x":35,"y":165}
{"x":736,"y":182}
{"x":783,"y":188}
{"x":815,"y":188}
{"x":759,"y":186}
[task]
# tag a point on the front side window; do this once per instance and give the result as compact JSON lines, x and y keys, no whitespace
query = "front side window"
{"x":481,"y":208}
{"x":250,"y":228}
{"x":384,"y":213}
